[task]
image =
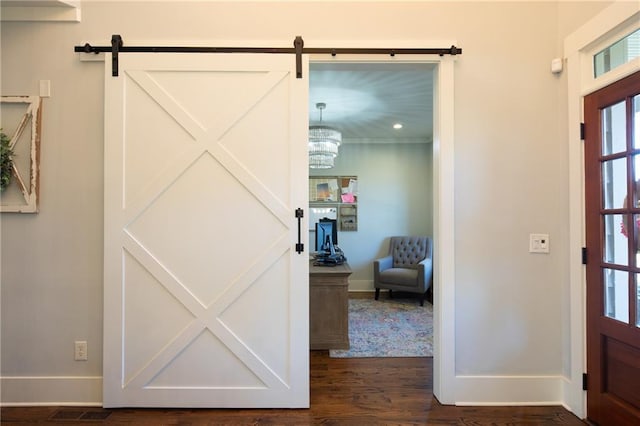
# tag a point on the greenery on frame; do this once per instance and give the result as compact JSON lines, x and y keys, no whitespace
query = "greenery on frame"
{"x":6,"y":161}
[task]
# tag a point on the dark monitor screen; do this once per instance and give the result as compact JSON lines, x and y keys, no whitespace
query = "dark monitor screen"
{"x":326,"y":232}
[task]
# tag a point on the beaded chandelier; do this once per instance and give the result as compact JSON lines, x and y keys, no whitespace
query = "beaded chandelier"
{"x":323,"y":143}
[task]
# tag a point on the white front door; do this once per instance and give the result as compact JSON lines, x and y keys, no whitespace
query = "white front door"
{"x":206,"y":298}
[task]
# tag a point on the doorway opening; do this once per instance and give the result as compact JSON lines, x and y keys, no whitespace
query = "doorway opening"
{"x":405,"y":176}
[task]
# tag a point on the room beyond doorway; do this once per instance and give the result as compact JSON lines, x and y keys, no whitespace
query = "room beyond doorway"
{"x":394,"y":167}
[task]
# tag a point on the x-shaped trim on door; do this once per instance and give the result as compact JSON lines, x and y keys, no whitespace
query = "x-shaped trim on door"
{"x":205,"y":317}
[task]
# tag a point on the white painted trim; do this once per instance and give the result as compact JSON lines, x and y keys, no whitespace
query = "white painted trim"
{"x":444,"y":288}
{"x":574,"y":396}
{"x":600,"y":26}
{"x":508,"y":390}
{"x":590,"y":85}
{"x":51,"y":391}
{"x":612,"y":24}
{"x":578,"y":48}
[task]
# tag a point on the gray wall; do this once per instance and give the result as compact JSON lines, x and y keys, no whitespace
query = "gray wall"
{"x":395,"y":197}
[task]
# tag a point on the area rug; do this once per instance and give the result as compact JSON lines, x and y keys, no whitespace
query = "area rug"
{"x":388,"y":328}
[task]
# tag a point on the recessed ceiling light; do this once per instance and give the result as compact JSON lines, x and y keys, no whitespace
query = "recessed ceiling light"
{"x":397,"y":126}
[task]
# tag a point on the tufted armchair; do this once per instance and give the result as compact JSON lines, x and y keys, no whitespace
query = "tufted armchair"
{"x":408,"y":267}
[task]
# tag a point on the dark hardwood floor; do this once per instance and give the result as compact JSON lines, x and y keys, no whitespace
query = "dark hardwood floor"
{"x":374,"y":391}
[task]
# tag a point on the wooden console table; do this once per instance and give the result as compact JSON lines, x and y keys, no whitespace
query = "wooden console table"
{"x":329,"y":306}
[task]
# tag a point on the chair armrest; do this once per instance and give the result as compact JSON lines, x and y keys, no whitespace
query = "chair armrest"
{"x":383,"y":263}
{"x":425,"y":272}
{"x":380,"y":265}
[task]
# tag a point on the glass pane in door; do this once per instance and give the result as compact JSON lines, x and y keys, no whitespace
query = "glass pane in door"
{"x":614,"y":183}
{"x":636,"y":178}
{"x":636,"y":122}
{"x":616,"y":294}
{"x":614,"y":129}
{"x":635,"y":117}
{"x":637,"y":300}
{"x":616,"y":247}
{"x":635,"y":251}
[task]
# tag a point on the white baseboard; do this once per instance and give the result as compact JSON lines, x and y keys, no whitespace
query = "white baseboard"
{"x":470,"y":390}
{"x":51,"y":391}
{"x":509,"y":390}
{"x":575,"y":399}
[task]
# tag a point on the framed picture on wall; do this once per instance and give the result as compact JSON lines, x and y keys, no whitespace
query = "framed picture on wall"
{"x":334,"y":197}
{"x":21,"y":128}
{"x":323,"y":189}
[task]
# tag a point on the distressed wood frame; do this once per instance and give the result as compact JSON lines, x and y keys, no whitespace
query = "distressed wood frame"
{"x":27,"y":181}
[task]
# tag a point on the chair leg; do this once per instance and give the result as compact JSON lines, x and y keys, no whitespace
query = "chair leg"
{"x":390,"y":294}
{"x":377,"y":293}
{"x":422,"y":299}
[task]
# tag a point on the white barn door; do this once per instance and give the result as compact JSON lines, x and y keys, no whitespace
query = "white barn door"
{"x":206,"y":299}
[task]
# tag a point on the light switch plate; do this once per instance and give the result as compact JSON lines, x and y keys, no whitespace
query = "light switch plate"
{"x":538,"y":243}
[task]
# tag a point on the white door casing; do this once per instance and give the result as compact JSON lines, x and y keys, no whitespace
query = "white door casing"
{"x":603,"y":29}
{"x":206,"y":299}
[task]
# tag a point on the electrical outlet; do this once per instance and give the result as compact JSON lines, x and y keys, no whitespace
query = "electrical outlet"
{"x":81,"y":350}
{"x":45,"y":88}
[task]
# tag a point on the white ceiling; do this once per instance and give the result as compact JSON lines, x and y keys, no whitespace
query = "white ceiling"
{"x":364,"y":100}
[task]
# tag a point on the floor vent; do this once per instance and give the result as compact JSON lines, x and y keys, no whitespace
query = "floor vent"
{"x":74,"y":414}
